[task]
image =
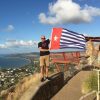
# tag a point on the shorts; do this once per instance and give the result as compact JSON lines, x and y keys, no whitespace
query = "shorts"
{"x":44,"y":60}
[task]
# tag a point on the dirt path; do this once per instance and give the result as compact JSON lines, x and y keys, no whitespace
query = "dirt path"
{"x":72,"y":90}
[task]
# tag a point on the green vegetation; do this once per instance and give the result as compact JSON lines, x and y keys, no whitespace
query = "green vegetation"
{"x":91,"y":83}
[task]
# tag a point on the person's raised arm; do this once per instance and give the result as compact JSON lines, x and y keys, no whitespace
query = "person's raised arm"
{"x":40,"y":48}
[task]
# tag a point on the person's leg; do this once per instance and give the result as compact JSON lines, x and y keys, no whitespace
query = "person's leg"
{"x":42,"y":72}
{"x":47,"y":64}
{"x":42,"y":67}
{"x":46,"y":71}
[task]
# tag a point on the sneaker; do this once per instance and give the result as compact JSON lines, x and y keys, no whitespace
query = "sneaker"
{"x":42,"y":79}
{"x":48,"y":78}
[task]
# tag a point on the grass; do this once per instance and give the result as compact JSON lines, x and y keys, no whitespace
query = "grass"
{"x":90,"y":83}
{"x":22,"y":86}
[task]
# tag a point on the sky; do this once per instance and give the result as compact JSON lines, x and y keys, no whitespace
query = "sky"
{"x":22,"y":22}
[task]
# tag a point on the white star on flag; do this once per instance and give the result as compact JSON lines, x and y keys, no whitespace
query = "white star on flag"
{"x":55,"y":38}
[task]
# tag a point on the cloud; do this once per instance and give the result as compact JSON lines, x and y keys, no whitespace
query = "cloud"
{"x":9,"y":28}
{"x":3,"y":46}
{"x":17,"y":44}
{"x":67,"y":11}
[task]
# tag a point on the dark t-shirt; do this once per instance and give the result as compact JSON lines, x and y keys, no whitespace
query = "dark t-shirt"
{"x":44,"y":45}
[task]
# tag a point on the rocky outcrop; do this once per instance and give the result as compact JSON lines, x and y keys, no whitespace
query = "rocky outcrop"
{"x":99,"y":58}
{"x":49,"y":88}
{"x":92,"y":50}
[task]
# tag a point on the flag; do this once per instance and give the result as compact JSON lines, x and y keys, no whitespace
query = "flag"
{"x":63,"y":38}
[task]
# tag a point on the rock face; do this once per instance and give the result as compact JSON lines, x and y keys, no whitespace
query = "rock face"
{"x":99,"y":58}
{"x":94,"y":53}
{"x":89,"y":52}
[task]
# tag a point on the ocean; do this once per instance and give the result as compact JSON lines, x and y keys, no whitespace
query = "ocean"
{"x":12,"y":62}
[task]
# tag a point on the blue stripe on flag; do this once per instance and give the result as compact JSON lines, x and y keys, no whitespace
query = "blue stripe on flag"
{"x":70,"y":39}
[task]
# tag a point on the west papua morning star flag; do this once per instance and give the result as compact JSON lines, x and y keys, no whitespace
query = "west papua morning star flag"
{"x":62,"y":38}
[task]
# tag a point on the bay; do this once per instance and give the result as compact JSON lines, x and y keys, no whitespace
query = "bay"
{"x":12,"y":62}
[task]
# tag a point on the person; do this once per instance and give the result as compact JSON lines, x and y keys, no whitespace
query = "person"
{"x":44,"y":57}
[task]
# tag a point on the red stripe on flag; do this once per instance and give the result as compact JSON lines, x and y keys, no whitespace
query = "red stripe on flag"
{"x":55,"y":38}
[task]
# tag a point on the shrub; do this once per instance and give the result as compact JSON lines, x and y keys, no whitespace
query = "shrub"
{"x":90,"y":84}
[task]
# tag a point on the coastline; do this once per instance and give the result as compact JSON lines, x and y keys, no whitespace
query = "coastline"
{"x":23,"y":61}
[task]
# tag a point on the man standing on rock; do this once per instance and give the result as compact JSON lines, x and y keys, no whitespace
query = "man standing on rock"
{"x":44,"y":57}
